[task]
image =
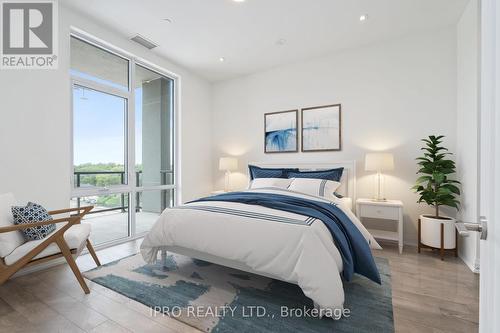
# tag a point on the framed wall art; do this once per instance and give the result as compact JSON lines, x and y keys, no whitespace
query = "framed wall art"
{"x":322,"y":128}
{"x":280,"y":132}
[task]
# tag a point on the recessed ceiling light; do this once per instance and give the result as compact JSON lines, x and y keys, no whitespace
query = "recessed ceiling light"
{"x":281,"y":42}
{"x":363,"y":17}
{"x":239,"y":0}
{"x":222,"y":59}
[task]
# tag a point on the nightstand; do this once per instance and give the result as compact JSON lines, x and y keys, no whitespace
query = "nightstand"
{"x":388,"y":211}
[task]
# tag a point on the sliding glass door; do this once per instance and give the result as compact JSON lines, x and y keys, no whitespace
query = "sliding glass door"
{"x":123,"y":141}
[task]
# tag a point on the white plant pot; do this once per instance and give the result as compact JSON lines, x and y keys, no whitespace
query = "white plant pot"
{"x":430,"y":231}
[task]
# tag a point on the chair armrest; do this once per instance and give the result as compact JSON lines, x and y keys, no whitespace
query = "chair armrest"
{"x":84,"y":210}
{"x":72,"y":220}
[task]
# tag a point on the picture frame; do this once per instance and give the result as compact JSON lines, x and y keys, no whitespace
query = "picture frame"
{"x":321,"y":128}
{"x":281,"y":133}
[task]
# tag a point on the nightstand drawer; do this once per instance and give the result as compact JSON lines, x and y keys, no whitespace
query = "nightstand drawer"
{"x":377,"y":212}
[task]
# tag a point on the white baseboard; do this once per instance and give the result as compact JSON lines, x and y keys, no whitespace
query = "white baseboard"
{"x":473,"y":265}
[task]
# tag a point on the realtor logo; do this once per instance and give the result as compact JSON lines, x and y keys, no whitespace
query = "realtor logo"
{"x":29,"y":35}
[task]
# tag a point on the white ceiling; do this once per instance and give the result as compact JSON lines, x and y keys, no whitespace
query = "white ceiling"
{"x":245,"y":33}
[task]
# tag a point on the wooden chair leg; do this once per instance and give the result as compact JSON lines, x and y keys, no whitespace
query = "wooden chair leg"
{"x":72,"y":264}
{"x":5,"y":275}
{"x":92,"y":253}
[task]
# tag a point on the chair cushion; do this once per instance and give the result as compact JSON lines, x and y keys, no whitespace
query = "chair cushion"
{"x":8,"y":240}
{"x":74,"y":236}
{"x":31,"y":213}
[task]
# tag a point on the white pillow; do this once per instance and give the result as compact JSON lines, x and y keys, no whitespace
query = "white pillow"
{"x":317,"y":187}
{"x":9,"y":241}
{"x":270,"y":182}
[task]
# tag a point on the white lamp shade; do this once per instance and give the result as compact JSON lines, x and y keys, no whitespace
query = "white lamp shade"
{"x":228,"y":164}
{"x":379,"y":162}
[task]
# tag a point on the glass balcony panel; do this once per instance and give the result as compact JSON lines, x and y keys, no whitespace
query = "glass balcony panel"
{"x":149,"y":205}
{"x":109,"y":219}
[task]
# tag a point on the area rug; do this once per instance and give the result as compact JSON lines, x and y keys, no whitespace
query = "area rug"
{"x":214,"y":298}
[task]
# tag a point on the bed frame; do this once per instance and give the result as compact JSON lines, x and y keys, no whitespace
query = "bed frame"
{"x":347,"y":188}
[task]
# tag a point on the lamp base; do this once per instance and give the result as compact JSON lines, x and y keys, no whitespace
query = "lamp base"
{"x":226,"y":181}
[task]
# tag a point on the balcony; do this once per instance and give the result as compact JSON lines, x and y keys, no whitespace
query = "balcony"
{"x":110,"y":219}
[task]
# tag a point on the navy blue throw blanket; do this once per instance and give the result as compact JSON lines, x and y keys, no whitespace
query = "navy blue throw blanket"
{"x":354,"y":250}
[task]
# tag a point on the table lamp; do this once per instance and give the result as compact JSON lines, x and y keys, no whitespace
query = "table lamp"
{"x":227,"y":164}
{"x":379,"y":162}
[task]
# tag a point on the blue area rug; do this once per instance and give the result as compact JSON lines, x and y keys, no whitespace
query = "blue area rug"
{"x":214,"y":298}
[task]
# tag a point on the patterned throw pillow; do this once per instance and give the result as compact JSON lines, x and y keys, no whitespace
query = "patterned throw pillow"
{"x":31,"y":213}
{"x":331,"y":174}
{"x":257,"y":172}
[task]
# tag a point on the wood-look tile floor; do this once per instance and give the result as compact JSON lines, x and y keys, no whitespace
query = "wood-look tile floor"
{"x":429,"y":295}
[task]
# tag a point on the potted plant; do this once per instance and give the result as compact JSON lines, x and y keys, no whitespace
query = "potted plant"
{"x":437,"y":189}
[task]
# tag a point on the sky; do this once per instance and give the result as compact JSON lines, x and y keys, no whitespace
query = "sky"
{"x":99,"y":127}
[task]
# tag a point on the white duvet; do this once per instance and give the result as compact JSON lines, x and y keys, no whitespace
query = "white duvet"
{"x":291,"y":247}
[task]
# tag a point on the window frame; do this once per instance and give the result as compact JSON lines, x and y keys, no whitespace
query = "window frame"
{"x":129,"y":96}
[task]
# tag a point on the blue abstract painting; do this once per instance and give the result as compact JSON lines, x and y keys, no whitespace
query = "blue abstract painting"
{"x":281,"y":132}
{"x":321,"y":128}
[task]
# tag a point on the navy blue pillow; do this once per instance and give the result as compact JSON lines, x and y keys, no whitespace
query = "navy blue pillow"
{"x":332,"y":174}
{"x":256,"y":172}
{"x":32,"y":213}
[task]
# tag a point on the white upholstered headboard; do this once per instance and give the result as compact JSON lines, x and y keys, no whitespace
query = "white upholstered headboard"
{"x":348,"y":180}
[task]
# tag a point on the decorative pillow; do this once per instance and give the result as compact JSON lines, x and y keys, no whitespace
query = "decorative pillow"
{"x":317,"y":187}
{"x":331,"y":174}
{"x":270,"y":182}
{"x":9,"y":241}
{"x":31,"y":213}
{"x":256,"y":172}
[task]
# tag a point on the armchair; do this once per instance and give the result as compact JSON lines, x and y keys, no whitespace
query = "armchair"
{"x":68,"y":240}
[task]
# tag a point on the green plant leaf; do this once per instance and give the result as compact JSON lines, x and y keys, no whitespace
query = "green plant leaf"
{"x":422,"y":179}
{"x":452,"y":188}
{"x":438,"y":177}
{"x":434,"y":185}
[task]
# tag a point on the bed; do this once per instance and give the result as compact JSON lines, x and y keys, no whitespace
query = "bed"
{"x":274,"y":232}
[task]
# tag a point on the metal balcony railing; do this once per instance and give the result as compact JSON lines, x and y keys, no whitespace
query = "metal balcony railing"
{"x":78,"y":183}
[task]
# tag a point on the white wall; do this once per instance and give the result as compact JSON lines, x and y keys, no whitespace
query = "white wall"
{"x":35,"y":123}
{"x":467,"y":126}
{"x":392,"y":95}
